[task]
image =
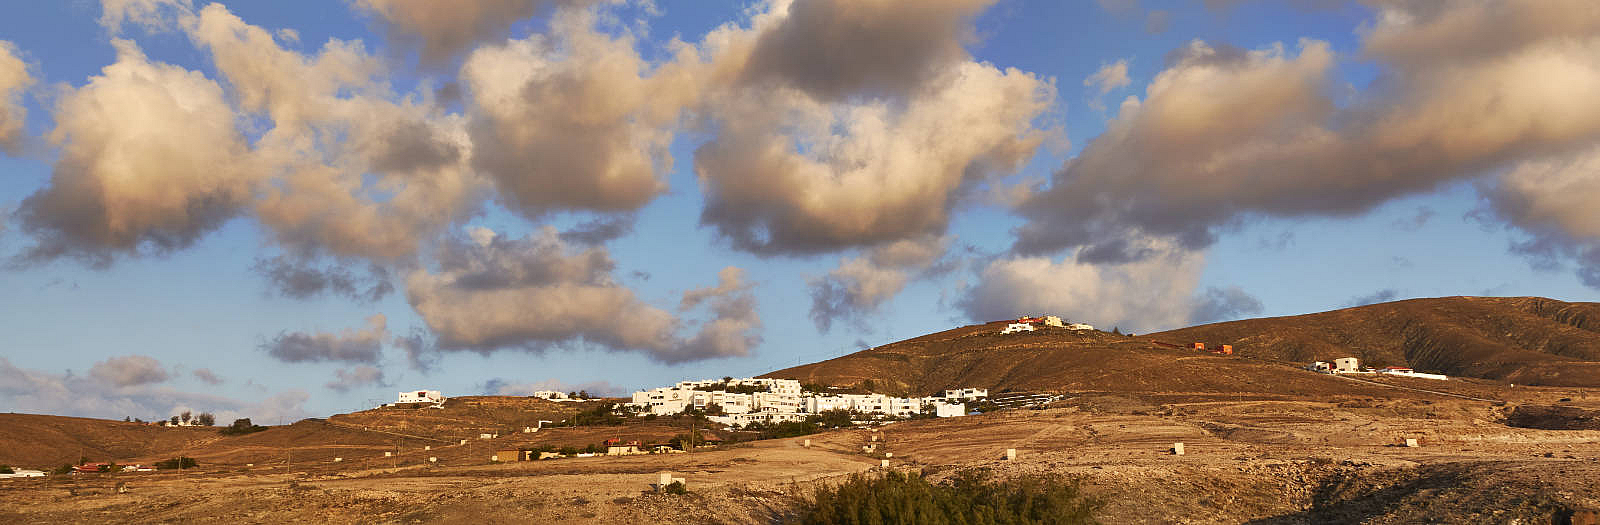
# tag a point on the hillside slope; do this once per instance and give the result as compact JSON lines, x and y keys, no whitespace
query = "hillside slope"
{"x":1523,"y":340}
{"x":1059,"y":360}
{"x":43,"y":441}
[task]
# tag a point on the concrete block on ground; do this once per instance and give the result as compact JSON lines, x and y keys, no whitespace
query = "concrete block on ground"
{"x":1412,"y":442}
{"x":663,"y":479}
{"x":427,"y":447}
{"x":387,"y":454}
{"x":1177,"y":449}
{"x":807,"y":444}
{"x":885,"y":463}
{"x":432,"y":459}
{"x":1011,"y":454}
{"x":888,"y":454}
{"x":336,"y":460}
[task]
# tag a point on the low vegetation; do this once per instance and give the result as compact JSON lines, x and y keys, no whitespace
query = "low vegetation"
{"x":811,"y":425}
{"x":241,"y":427}
{"x":967,"y":498}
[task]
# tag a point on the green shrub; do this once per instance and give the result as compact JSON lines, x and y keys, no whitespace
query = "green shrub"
{"x":6,"y":469}
{"x":64,"y":469}
{"x":676,"y":488}
{"x":897,"y":498}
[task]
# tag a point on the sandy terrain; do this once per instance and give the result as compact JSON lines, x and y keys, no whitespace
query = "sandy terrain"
{"x":1246,"y":461}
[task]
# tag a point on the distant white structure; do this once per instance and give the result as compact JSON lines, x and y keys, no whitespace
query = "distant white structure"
{"x":553,"y":395}
{"x":1346,"y":365}
{"x":1051,"y":320}
{"x":1017,"y":327}
{"x":763,"y":400}
{"x":1320,"y":366}
{"x":421,"y":396}
{"x":949,"y":409}
{"x":1080,"y":326}
{"x":23,"y":473}
{"x":1407,"y":372}
{"x":966,"y":394}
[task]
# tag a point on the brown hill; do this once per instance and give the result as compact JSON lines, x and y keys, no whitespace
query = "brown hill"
{"x":1522,"y":340}
{"x":42,"y":441}
{"x":1061,"y":360}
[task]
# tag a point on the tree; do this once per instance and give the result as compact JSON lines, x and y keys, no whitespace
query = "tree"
{"x":127,"y":419}
{"x":174,"y":420}
{"x":1116,"y":330}
{"x":583,"y":394}
{"x":187,"y":416}
{"x":206,"y":419}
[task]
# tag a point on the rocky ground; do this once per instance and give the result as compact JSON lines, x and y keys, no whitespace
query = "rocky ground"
{"x":1338,"y":460}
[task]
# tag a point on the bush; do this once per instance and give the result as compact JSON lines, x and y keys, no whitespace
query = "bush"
{"x":675,"y":488}
{"x":965,"y":499}
{"x":176,"y":463}
{"x":206,"y":419}
{"x":241,"y":427}
{"x":64,"y":469}
{"x":6,"y":469}
{"x":601,"y":414}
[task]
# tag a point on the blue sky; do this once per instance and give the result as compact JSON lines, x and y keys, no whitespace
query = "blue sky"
{"x":1234,"y":159}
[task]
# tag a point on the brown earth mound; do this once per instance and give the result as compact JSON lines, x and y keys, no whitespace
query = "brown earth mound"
{"x":1522,"y":340}
{"x":42,"y":441}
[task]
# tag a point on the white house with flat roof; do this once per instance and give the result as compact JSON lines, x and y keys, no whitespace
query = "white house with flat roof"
{"x":421,"y":396}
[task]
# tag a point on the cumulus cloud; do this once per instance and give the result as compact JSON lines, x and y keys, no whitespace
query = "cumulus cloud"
{"x":14,"y":80}
{"x":1151,"y":294}
{"x":444,"y":30}
{"x":209,"y":377}
{"x":360,"y":376}
{"x":537,"y":292}
{"x":1109,"y":77}
{"x":859,"y":286}
{"x":836,"y":49}
{"x":573,"y":120}
{"x":150,"y":160}
{"x":823,"y":143}
{"x":126,"y":371}
{"x":1224,"y":133}
{"x":505,"y":387}
{"x":1552,"y":200}
{"x":358,"y":169}
{"x":352,"y":346}
{"x":33,"y":391}
{"x":299,"y":280}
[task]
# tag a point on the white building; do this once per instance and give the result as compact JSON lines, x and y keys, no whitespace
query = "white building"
{"x":966,"y":394}
{"x":1017,"y":327}
{"x":23,"y":473}
{"x":1051,"y":320}
{"x":552,"y":395}
{"x":1346,"y":365}
{"x":1080,"y":326}
{"x":421,"y":396}
{"x":949,"y":409}
{"x":1407,"y":372}
{"x":778,"y":400}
